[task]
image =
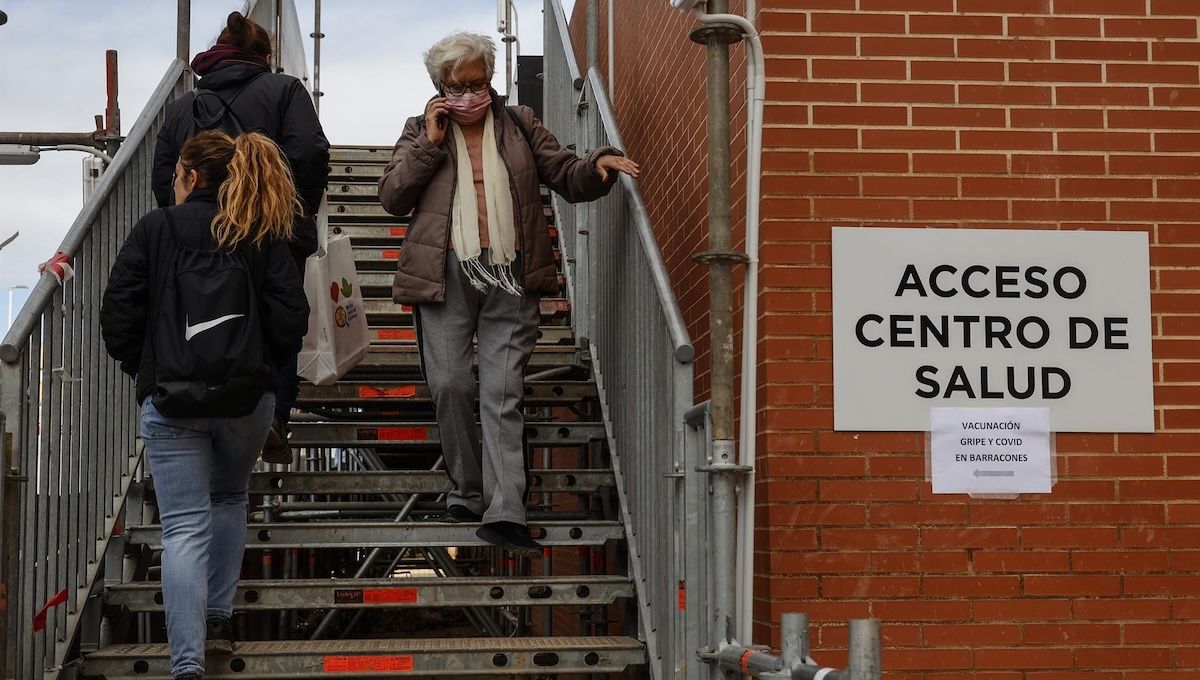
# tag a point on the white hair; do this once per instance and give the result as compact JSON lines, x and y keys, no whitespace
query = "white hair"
{"x":456,"y":49}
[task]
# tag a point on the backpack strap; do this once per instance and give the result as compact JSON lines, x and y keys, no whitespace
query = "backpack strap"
{"x":512,"y":113}
{"x":226,"y":104}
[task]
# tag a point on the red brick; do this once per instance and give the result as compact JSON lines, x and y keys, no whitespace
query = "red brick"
{"x":1064,"y":584}
{"x":1004,"y":48}
{"x":991,"y":514}
{"x":1102,"y":95}
{"x":1023,"y":657}
{"x":860,"y":587}
{"x":810,"y":137}
{"x":935,"y":610}
{"x":1183,"y":7}
{"x":834,"y":46}
{"x":857,"y":23}
{"x":971,"y":586}
{"x":908,"y":139}
{"x":960,"y":163}
{"x":911,"y":514}
{"x":858,"y":69}
{"x":906,"y":47}
{"x":780,"y":562}
{"x":1071,"y":634}
{"x":1150,"y":28}
{"x":969,"y":537}
{"x":1053,"y":26}
{"x":1141,"y":657}
{"x":1177,"y":96}
{"x":1055,"y":72}
{"x":1056,"y":118}
{"x":773,"y":22}
{"x":958,"y":117}
{"x":908,"y":93}
{"x":928,"y":659}
{"x":1176,"y":51}
{"x":859,"y":115}
{"x":907,"y":5}
{"x":1068,"y":537}
{"x":1181,"y":141}
{"x":1115,"y":466}
{"x":862,"y":162}
{"x":926,"y":561}
{"x":1173,"y":585}
{"x":956,"y":25}
{"x":816,"y":515}
{"x":1094,"y":7}
{"x":1162,"y":633}
{"x":1004,"y":186}
{"x":973,"y":635}
{"x":812,"y":92}
{"x":1117,"y":513}
{"x":1022,"y":609}
{"x":1105,"y":187}
{"x":1021,"y":561}
{"x":1058,"y":164}
{"x":1007,"y":140}
{"x":1158,"y":537}
{"x":910,"y":186}
{"x":1113,"y":609}
{"x":868,"y":538}
{"x":1119,"y":561}
{"x":1104,"y":141}
{"x":842,"y":208}
{"x":959,"y":209}
{"x":958,"y":71}
{"x":866,"y":490}
{"x":1179,"y":188}
{"x":1154,"y":165}
{"x":1184,"y":74}
{"x":1009,"y":95}
{"x":1101,"y":50}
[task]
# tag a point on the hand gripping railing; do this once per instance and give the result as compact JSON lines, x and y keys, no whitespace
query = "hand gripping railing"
{"x":623,"y":303}
{"x":68,"y":419}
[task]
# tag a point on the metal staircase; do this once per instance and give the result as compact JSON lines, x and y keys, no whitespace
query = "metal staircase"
{"x":347,"y":541}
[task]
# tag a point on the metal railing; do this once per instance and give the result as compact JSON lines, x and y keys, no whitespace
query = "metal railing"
{"x":70,"y":421}
{"x":623,"y":303}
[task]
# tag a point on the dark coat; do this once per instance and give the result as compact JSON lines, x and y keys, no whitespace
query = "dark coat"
{"x":421,"y":179}
{"x":274,"y":104}
{"x":138,"y":275}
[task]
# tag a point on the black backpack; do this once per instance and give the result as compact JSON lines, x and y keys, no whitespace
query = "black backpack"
{"x":207,"y":335}
{"x":223,"y":118}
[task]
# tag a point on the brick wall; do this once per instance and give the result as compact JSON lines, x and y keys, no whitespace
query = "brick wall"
{"x":1051,"y":114}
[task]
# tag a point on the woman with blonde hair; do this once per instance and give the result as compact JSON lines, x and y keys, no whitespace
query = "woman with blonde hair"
{"x":203,"y":307}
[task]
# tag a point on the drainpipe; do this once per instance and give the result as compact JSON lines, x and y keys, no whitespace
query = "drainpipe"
{"x":720,"y":258}
{"x":183,"y":38}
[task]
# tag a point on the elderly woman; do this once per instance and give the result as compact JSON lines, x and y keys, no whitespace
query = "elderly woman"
{"x":476,"y":260}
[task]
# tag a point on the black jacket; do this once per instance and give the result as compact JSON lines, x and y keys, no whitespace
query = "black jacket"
{"x":274,"y":104}
{"x":138,"y":275}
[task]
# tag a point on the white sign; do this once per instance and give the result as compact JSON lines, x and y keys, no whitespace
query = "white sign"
{"x":928,"y":318}
{"x":990,"y":450}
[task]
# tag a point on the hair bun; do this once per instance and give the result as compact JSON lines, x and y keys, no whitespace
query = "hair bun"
{"x":236,"y":22}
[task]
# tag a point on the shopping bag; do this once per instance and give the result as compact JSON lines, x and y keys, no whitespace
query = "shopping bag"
{"x":338,"y":336}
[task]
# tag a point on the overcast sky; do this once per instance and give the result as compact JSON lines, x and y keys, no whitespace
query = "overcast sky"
{"x":52,"y":79}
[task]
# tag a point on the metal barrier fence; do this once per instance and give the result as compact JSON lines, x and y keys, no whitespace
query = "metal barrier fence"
{"x":70,"y":421}
{"x":622,"y":302}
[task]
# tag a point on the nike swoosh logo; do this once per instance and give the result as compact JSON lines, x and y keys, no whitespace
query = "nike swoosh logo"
{"x":192,"y":331}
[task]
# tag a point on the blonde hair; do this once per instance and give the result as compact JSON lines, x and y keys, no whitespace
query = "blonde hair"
{"x":456,"y":49}
{"x":256,"y":194}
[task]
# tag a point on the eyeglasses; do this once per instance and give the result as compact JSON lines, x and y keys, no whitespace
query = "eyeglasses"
{"x":461,"y":89}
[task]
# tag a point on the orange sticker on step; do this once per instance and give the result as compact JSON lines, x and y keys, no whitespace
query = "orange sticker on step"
{"x":409,"y":334}
{"x":405,"y":392}
{"x":392,"y":434}
{"x":406,"y":309}
{"x":399,"y":231}
{"x":389,"y":595}
{"x":391,"y":254}
{"x":368,"y":664}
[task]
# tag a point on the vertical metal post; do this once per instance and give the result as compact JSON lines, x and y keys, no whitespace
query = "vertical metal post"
{"x":510,"y":72}
{"x":794,"y":634}
{"x":317,"y":35}
{"x":593,"y":34}
{"x":112,"y":111}
{"x":865,"y":662}
{"x":183,"y":40}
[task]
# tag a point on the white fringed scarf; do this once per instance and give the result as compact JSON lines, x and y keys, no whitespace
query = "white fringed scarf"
{"x":464,"y":226}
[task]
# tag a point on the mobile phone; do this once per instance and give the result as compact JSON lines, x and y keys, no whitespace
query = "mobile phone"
{"x":441,"y":118}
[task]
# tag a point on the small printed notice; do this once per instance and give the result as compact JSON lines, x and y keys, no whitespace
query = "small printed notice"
{"x":991,"y":450}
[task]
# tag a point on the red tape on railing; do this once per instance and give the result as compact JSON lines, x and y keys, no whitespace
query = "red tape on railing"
{"x":39,"y":619}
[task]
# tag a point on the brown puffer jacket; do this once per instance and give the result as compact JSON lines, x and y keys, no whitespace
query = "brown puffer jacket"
{"x":421,"y":181}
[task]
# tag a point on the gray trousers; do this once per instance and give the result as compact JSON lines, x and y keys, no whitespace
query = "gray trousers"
{"x":489,"y":476}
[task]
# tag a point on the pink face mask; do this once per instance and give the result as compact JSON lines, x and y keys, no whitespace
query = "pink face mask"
{"x":469,"y":108}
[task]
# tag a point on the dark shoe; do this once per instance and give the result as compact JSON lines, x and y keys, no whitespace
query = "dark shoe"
{"x":188,"y":676}
{"x":510,"y":536}
{"x":220,"y":636}
{"x":277,"y":451}
{"x":457,"y":514}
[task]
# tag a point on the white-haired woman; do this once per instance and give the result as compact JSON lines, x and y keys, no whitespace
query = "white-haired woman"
{"x":476,"y":260}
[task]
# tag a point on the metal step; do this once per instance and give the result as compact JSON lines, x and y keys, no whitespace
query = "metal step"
{"x":413,"y":481}
{"x":396,"y":534}
{"x":383,"y":257}
{"x":389,"y":235}
{"x":339,"y":172}
{"x":377,"y":310}
{"x":393,"y":393}
{"x":460,"y":657}
{"x":360,"y":154}
{"x":405,"y":334}
{"x":387,"y":359}
{"x":393,"y":434}
{"x":391,"y":593}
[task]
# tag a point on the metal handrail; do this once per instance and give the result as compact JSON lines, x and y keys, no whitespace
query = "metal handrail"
{"x":18,"y":334}
{"x":564,"y":38}
{"x":684,"y":351}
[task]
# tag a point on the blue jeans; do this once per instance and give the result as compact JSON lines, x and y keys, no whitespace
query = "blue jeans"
{"x":201,"y":469}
